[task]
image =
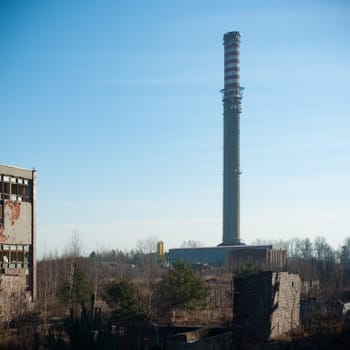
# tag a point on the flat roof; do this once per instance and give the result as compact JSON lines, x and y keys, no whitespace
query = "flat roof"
{"x":224,"y":247}
{"x":16,"y":171}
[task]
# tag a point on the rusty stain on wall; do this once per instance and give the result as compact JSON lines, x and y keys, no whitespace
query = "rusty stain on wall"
{"x":2,"y":236}
{"x":17,"y":241}
{"x":15,"y":210}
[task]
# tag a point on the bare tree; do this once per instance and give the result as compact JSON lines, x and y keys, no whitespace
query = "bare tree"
{"x":148,"y":265}
{"x":345,"y":252}
{"x":147,"y":245}
{"x":347,"y":246}
{"x":323,"y":251}
{"x":191,"y":244}
{"x":75,"y":246}
{"x":304,"y":248}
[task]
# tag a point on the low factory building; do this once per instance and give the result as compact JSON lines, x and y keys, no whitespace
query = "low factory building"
{"x":265,"y":257}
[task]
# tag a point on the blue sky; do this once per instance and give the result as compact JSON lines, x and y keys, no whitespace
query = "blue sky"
{"x":117,"y":105}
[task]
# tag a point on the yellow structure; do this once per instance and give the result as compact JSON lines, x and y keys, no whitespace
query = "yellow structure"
{"x":160,"y":248}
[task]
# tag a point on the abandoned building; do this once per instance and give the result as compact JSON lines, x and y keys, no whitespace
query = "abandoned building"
{"x":17,"y":239}
{"x":263,"y":257}
{"x":266,"y":305}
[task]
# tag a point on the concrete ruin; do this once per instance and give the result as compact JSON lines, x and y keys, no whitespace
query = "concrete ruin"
{"x":17,"y":240}
{"x":265,"y":259}
{"x":266,"y":305}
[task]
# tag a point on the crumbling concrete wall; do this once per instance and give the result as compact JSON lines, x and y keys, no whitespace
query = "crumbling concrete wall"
{"x":17,"y":223}
{"x":265,"y":259}
{"x":17,"y":227}
{"x":266,"y":305}
{"x":13,"y":293}
{"x":286,"y":303}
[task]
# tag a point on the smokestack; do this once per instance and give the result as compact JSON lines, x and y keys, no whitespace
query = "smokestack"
{"x":232,"y":95}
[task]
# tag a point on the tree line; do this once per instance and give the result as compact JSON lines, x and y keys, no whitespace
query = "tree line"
{"x":305,"y":248}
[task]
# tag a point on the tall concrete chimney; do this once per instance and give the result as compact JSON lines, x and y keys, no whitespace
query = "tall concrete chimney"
{"x":231,"y":98}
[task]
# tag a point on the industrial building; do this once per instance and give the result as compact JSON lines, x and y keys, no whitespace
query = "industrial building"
{"x":203,"y":255}
{"x":232,"y":250}
{"x":266,"y":257}
{"x":17,"y":238}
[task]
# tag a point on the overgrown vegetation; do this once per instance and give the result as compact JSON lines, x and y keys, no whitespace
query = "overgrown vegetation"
{"x":124,"y":302}
{"x":75,"y":288}
{"x":135,"y":290}
{"x":180,"y":288}
{"x":247,"y":270}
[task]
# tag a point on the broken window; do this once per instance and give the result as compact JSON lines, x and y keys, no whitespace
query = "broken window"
{"x":5,"y":254}
{"x":20,"y":257}
{"x":15,"y":189}
{"x":4,"y":259}
{"x":6,"y":190}
{"x":20,"y":189}
{"x":14,"y":256}
{"x":26,"y":194}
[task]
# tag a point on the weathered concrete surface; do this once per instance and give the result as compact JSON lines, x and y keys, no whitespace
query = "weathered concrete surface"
{"x":266,"y":305}
{"x":13,"y":295}
{"x":17,"y":222}
{"x":17,"y":231}
{"x":266,"y":259}
{"x":286,"y":304}
{"x":16,"y":171}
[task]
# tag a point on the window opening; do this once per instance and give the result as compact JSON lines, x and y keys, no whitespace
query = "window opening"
{"x":15,"y":189}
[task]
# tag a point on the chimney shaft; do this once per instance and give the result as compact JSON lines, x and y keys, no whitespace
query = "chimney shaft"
{"x":232,"y":95}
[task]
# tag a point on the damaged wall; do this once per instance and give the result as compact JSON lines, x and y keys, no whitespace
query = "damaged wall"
{"x":266,"y":259}
{"x":17,"y":223}
{"x":17,"y":237}
{"x":266,"y":304}
{"x":13,"y":296}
